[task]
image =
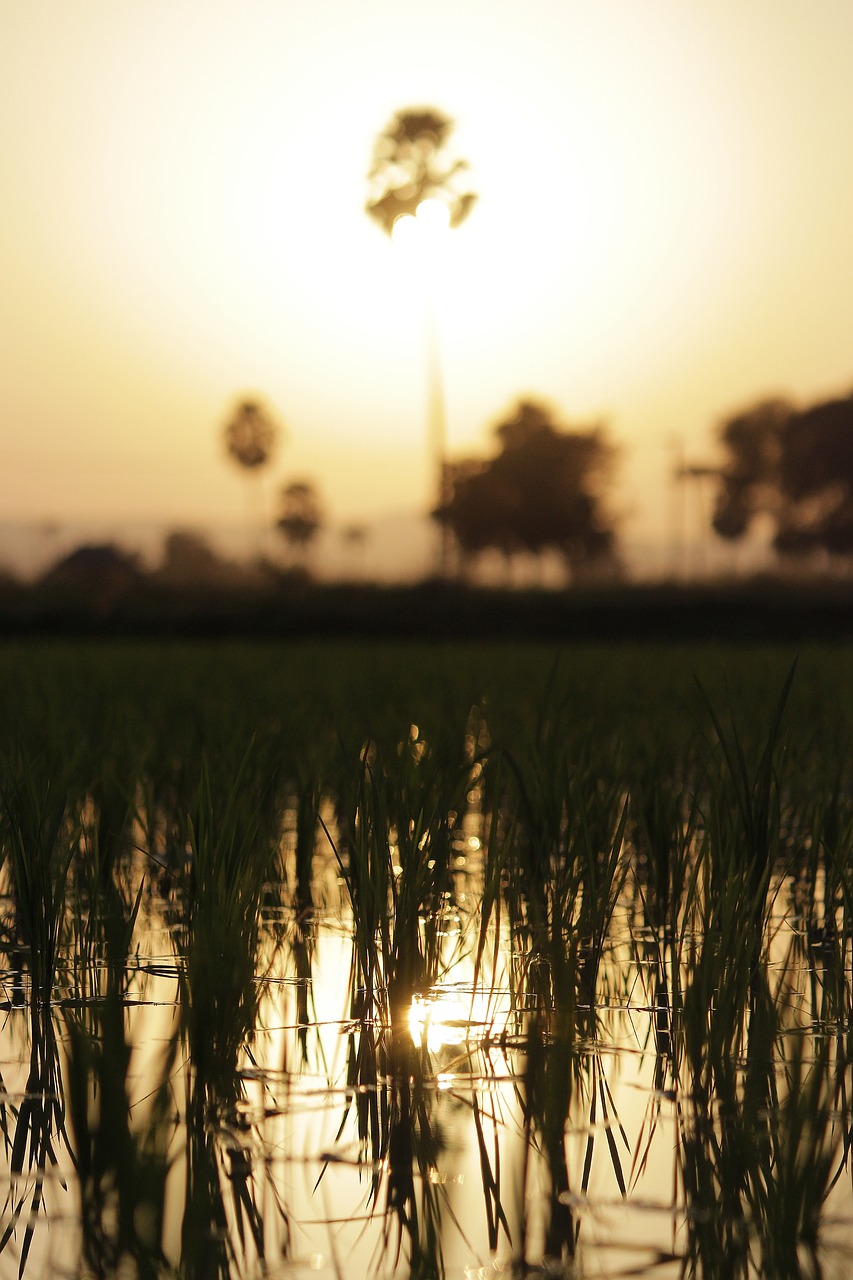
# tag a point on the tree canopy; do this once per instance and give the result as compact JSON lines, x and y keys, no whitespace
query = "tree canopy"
{"x":250,"y":435}
{"x":301,"y":515}
{"x":411,"y":164}
{"x":543,"y":490}
{"x":795,"y":466}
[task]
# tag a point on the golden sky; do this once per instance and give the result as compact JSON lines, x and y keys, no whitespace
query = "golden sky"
{"x":664,"y":233}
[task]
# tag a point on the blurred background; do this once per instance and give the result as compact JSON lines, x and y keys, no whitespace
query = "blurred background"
{"x":647,"y":246}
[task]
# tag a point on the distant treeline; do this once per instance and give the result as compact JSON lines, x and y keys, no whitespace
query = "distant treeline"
{"x":758,"y":610}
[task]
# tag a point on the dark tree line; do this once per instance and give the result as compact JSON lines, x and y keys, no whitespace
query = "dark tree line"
{"x":794,"y":466}
{"x":542,"y":491}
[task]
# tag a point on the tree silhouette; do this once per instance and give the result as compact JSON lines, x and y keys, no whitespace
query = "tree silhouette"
{"x":795,"y":466}
{"x":251,"y":436}
{"x":301,"y":515}
{"x":542,"y":491}
{"x":411,"y":164}
{"x":749,"y":479}
{"x":190,"y":561}
{"x":816,"y":471}
{"x":96,"y":576}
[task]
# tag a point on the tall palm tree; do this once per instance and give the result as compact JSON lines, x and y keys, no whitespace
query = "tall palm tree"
{"x":301,"y":516}
{"x":411,"y":164}
{"x":251,"y":436}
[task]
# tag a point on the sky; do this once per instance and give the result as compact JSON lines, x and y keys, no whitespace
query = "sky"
{"x":663,"y":235}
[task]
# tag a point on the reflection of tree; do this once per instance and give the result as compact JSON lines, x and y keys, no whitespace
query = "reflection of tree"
{"x":542,"y":491}
{"x":794,"y":466}
{"x":301,"y":515}
{"x":410,"y":164}
{"x":250,"y":438}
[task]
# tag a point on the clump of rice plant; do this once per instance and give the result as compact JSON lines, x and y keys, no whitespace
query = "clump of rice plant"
{"x":38,"y":842}
{"x":230,"y":856}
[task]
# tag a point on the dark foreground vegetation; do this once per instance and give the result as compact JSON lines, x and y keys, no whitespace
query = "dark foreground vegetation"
{"x":291,"y":606}
{"x":363,"y":958}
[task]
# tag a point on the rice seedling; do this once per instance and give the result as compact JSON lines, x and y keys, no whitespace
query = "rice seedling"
{"x":121,"y":1166}
{"x":289,"y":895}
{"x":666,"y":867}
{"x":229,"y":862}
{"x":590,"y":881}
{"x":549,"y":1083}
{"x":565,"y":873}
{"x":396,"y":867}
{"x":39,"y":841}
{"x":757,"y":1180}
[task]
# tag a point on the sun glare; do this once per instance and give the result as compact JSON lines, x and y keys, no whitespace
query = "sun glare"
{"x":639,"y":248}
{"x":434,"y":216}
{"x":422,"y":236}
{"x":445,"y":1017}
{"x":438,"y":1022}
{"x":405,"y":231}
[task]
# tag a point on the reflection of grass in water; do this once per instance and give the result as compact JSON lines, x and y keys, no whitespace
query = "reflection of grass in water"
{"x":714,"y":825}
{"x":565,"y":870}
{"x":756,"y":1181}
{"x":121,"y":1166}
{"x":395,"y":865}
{"x":230,"y":859}
{"x":39,"y":842}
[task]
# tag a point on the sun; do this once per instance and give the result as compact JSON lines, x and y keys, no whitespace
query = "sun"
{"x":422,"y":236}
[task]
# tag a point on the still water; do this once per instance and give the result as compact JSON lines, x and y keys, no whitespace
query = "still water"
{"x":425,"y":1050}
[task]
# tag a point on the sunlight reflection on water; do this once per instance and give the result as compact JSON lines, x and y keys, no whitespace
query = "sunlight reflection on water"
{"x":347,"y":1141}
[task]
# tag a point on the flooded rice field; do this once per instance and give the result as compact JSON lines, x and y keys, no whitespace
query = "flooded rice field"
{"x":401,"y":962}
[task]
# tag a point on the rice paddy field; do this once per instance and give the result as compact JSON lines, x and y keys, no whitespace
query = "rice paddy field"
{"x":347,"y":960}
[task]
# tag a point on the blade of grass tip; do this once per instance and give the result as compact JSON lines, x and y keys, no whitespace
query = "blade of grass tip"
{"x":736,"y":760}
{"x":127,"y":935}
{"x":776,"y":722}
{"x":645,"y":1141}
{"x":544,"y":705}
{"x":25,"y":1249}
{"x":615,"y":1158}
{"x":254,"y":1217}
{"x":22,"y":1130}
{"x":524,"y":795}
{"x":605,"y":1086}
{"x":490,"y":900}
{"x":733,"y":755}
{"x":11,"y":1225}
{"x":495,"y":1216}
{"x":590,"y":1142}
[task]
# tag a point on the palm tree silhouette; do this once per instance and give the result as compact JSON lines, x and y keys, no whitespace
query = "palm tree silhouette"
{"x":301,"y":516}
{"x":251,"y":436}
{"x":411,"y":165}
